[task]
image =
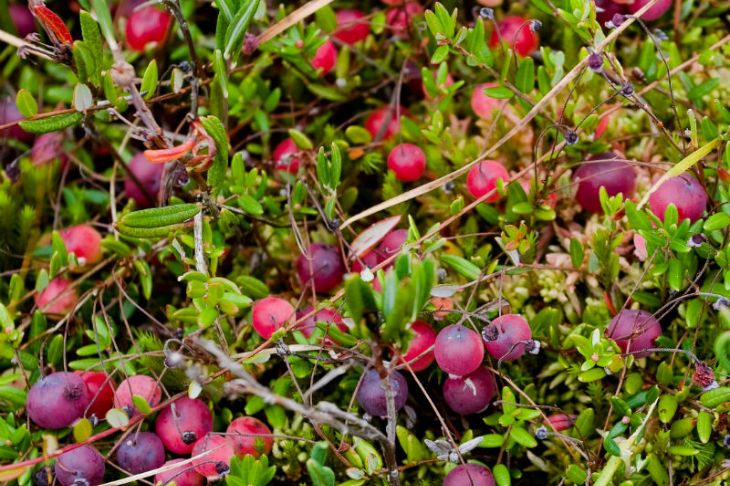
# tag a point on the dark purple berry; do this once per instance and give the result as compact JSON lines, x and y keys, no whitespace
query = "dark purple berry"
{"x":372,"y":393}
{"x":141,"y":452}
{"x":83,"y":466}
{"x":57,"y":400}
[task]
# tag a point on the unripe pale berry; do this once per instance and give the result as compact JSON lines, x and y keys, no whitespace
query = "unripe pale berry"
{"x":184,"y":475}
{"x":384,"y":116}
{"x":371,"y":395}
{"x":469,"y":475}
{"x":100,"y":390}
{"x":147,"y":25}
{"x":352,"y":26}
{"x":83,"y":241}
{"x":325,"y":58}
{"x":458,"y":350}
{"x":634,"y":331}
{"x":604,"y":170}
{"x":57,"y":400}
{"x":323,"y":268}
{"x":685,"y":192}
{"x":654,"y":12}
{"x":216,"y":464}
{"x":506,"y":337}
{"x":182,"y":423}
{"x":250,"y":436}
{"x":81,"y":466}
{"x":407,"y":161}
{"x":141,"y":452}
{"x":142,"y":385}
{"x":485,"y":106}
{"x":423,"y":338}
{"x":516,"y":33}
{"x":471,"y":393}
{"x":149,"y":176}
{"x":270,"y":314}
{"x":482,"y":178}
{"x":58,"y":298}
{"x":284,"y":156}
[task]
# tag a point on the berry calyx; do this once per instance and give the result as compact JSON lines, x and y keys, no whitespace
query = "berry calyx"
{"x":270,"y":314}
{"x":482,"y":179}
{"x":458,"y":350}
{"x":407,"y":161}
{"x":145,"y":26}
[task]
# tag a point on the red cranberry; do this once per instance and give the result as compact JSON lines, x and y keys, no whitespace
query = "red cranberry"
{"x":250,"y":436}
{"x":285,"y":156}
{"x":655,"y":11}
{"x":83,"y":241}
{"x":560,"y":421}
{"x":392,"y":243}
{"x":407,"y":161}
{"x":216,"y":464}
{"x":482,"y":179}
{"x":685,"y":192}
{"x":634,"y":331}
{"x":400,"y":18}
{"x":323,"y":268}
{"x":352,"y":26}
{"x":270,"y":314}
{"x":458,"y":350}
{"x":141,"y":452}
{"x":484,"y":106}
{"x":147,"y":25}
{"x":149,"y":176}
{"x":507,"y":337}
{"x":424,"y":337}
{"x":516,"y":32}
{"x":472,"y":393}
{"x":9,"y":113}
{"x":385,"y":115}
{"x":100,"y":390}
{"x":22,"y":20}
{"x":469,"y":475}
{"x":142,"y":385}
{"x":325,"y":58}
{"x":182,"y":423}
{"x":369,"y":260}
{"x":604,"y":170}
{"x":330,"y":316}
{"x":181,"y":476}
{"x":58,"y":298}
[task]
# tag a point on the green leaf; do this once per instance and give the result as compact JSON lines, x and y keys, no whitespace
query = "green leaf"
{"x":117,"y":418}
{"x":150,"y":80}
{"x":499,"y":92}
{"x":217,"y":172}
{"x":51,"y":123}
{"x":237,"y":30}
{"x":320,"y":475}
{"x":576,"y":252}
{"x":657,"y":470}
{"x":667,"y":408}
{"x":716,"y":222}
{"x":220,"y":67}
{"x":358,"y":135}
{"x":501,"y":475}
{"x":26,"y":103}
{"x":103,"y":15}
{"x":141,"y":404}
{"x":704,"y":426}
{"x":462,"y":266}
{"x":301,"y":140}
{"x":92,"y":40}
{"x":522,"y":437}
{"x":160,"y":217}
{"x":525,"y":79}
{"x":594,"y":374}
{"x":82,"y":429}
{"x":715,"y":398}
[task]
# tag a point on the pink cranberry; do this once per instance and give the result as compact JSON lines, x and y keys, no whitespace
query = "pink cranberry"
{"x":605,"y":170}
{"x":685,"y":192}
{"x":322,"y":268}
{"x":469,"y":475}
{"x":22,"y":20}
{"x":250,"y":436}
{"x":634,"y":331}
{"x":330,"y":316}
{"x":325,"y":58}
{"x":507,"y":337}
{"x":560,"y":421}
{"x":369,"y":260}
{"x":482,"y":179}
{"x":407,"y":161}
{"x":147,"y":25}
{"x":424,"y":337}
{"x":655,"y":11}
{"x":9,"y":113}
{"x":392,"y":243}
{"x":472,"y":393}
{"x":83,"y":241}
{"x":484,"y":106}
{"x":47,"y":148}
{"x":458,"y":350}
{"x":352,"y":26}
{"x":181,"y":476}
{"x":182,"y":423}
{"x":141,"y":385}
{"x":385,"y":119}
{"x":285,"y":156}
{"x":400,"y":18}
{"x":149,"y":176}
{"x":516,"y":32}
{"x":216,"y":464}
{"x":100,"y":390}
{"x":58,"y":298}
{"x":57,"y":400}
{"x":270,"y":314}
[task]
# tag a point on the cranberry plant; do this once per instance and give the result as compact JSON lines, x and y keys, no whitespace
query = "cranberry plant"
{"x":378,"y":242}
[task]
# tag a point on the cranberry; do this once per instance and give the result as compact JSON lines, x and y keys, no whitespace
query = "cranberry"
{"x":330,"y":316}
{"x":182,"y":476}
{"x":323,"y":269}
{"x":560,"y":421}
{"x":605,"y":170}
{"x":250,"y":436}
{"x":400,"y":18}
{"x":147,"y":25}
{"x":47,"y":148}
{"x":634,"y":331}
{"x":472,"y":393}
{"x":655,"y":11}
{"x":58,"y":298}
{"x":369,"y":260}
{"x":469,"y":475}
{"x":141,"y":452}
{"x":685,"y":192}
{"x":285,"y":156}
{"x":484,"y":106}
{"x":149,"y":176}
{"x":516,"y":32}
{"x":384,"y":116}
{"x":407,"y":161}
{"x":270,"y":314}
{"x":325,"y":58}
{"x":482,"y":179}
{"x":424,"y":337}
{"x":182,"y":423}
{"x":81,"y":466}
{"x":352,"y":26}
{"x":458,"y":350}
{"x":57,"y":400}
{"x":216,"y":464}
{"x":22,"y":20}
{"x":606,"y":9}
{"x":371,"y":395}
{"x":84,"y":242}
{"x":142,"y":385}
{"x":392,"y":243}
{"x":100,"y":390}
{"x":507,"y":337}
